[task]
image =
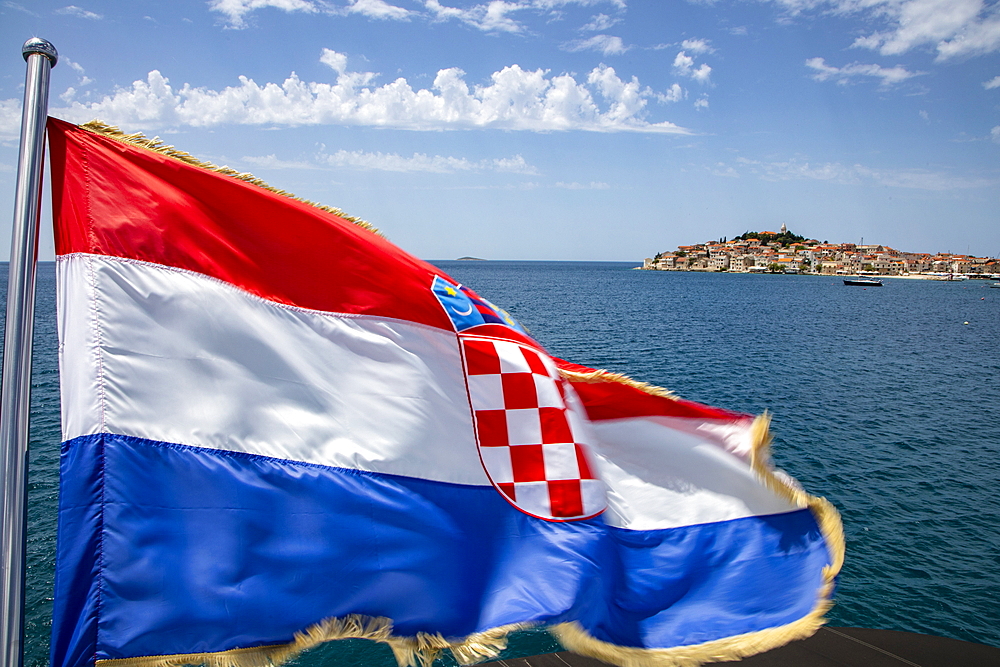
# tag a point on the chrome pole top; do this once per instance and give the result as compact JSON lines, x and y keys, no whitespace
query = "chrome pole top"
{"x":42,"y":46}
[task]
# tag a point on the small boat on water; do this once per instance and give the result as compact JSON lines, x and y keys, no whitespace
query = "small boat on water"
{"x":866,"y":282}
{"x":994,"y":284}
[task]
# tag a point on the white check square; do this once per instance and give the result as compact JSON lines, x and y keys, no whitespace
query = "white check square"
{"x":496,"y":460}
{"x":547,"y":392}
{"x":560,"y":461}
{"x":524,"y":427}
{"x":511,"y":358}
{"x":486,"y":392}
{"x":533,"y":498}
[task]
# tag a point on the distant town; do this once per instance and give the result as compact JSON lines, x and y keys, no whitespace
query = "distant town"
{"x":785,"y":252}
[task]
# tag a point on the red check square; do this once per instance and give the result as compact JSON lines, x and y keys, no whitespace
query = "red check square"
{"x":534,"y":362}
{"x":565,"y":498}
{"x":491,"y":427}
{"x":519,"y":391}
{"x":481,"y":357}
{"x":583,"y":461}
{"x":528,"y":463}
{"x":555,"y":426}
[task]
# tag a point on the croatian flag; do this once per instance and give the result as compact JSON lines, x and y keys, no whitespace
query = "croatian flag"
{"x":280,"y":430}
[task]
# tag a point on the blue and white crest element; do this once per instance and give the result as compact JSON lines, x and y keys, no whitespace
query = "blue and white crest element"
{"x":466,"y":309}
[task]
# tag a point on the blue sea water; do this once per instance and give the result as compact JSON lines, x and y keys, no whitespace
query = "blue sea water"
{"x":884,"y":400}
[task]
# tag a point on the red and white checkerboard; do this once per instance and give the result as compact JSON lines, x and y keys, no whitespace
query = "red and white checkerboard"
{"x":531,"y":431}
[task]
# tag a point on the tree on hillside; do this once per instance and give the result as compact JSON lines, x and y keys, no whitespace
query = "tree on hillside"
{"x":785,"y":239}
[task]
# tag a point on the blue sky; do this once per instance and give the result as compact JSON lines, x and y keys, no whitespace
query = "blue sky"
{"x":557,"y":129}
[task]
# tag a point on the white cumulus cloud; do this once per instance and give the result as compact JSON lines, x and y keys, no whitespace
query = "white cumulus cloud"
{"x":992,"y":83}
{"x":335,"y":61}
{"x":843,"y":75}
{"x":493,"y":16}
{"x":684,"y":65}
{"x":512,"y":99}
{"x":377,"y":9}
{"x":697,"y":46}
{"x":674,"y":94}
{"x":954,"y":27}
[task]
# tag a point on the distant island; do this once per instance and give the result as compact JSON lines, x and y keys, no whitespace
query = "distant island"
{"x":470,"y":259}
{"x":785,"y":252}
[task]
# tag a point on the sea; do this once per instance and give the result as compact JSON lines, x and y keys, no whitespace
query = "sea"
{"x":885,"y":400}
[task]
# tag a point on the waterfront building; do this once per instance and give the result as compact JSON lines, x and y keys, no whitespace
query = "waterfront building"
{"x":811,"y":256}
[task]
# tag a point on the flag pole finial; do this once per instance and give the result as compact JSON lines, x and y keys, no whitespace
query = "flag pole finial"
{"x":42,"y":46}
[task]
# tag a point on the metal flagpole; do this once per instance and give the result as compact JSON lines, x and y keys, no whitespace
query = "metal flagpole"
{"x":15,"y":392}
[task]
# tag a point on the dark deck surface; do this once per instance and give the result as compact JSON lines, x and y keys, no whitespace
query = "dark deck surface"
{"x":830,"y":647}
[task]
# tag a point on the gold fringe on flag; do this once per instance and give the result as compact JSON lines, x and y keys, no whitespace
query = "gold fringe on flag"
{"x":599,"y":376}
{"x":419,"y":651}
{"x":139,"y":140}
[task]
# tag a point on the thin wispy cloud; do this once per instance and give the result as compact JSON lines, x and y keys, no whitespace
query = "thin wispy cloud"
{"x":272,"y":161}
{"x":954,"y":28}
{"x":834,"y":172}
{"x":606,"y":44}
{"x":10,"y":119}
{"x":888,"y":76}
{"x":17,"y":7}
{"x":491,"y":16}
{"x":593,"y":185}
{"x":236,"y":11}
{"x":513,"y":99}
{"x":992,"y":83}
{"x":600,"y":23}
{"x":78,"y":68}
{"x":79,"y":12}
{"x":420,"y":162}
